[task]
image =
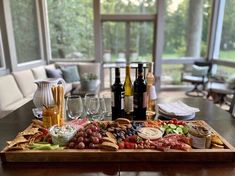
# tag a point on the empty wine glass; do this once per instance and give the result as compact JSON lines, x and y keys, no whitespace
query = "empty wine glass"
{"x":107,"y":99}
{"x":74,"y":106}
{"x":93,"y":107}
{"x":103,"y":109}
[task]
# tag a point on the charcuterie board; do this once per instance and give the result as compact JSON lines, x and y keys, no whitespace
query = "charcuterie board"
{"x":124,"y":155}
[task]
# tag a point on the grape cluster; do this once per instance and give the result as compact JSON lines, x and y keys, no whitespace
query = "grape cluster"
{"x":89,"y":137}
{"x":121,"y":132}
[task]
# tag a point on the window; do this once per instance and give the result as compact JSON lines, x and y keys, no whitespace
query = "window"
{"x":2,"y":64}
{"x":123,"y":40}
{"x":71,"y":29}
{"x":25,"y":28}
{"x":182,"y":36}
{"x":227,"y":45}
{"x":128,"y":6}
{"x":171,"y":74}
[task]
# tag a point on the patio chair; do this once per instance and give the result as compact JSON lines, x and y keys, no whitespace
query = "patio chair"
{"x":232,"y":105}
{"x":198,"y":77}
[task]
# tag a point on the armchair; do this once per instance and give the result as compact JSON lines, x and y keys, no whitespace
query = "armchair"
{"x":198,"y":76}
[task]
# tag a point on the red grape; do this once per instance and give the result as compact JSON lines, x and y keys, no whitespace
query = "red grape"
{"x":92,"y":146}
{"x":80,"y":139}
{"x":81,"y":145}
{"x":95,"y":140}
{"x":89,"y":131}
{"x":80,"y":133}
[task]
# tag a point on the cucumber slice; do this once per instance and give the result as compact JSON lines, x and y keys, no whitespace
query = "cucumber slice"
{"x":169,"y":130}
{"x":179,"y":130}
{"x":185,"y":130}
{"x":172,"y":126}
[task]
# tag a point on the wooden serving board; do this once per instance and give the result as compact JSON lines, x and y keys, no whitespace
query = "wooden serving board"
{"x":124,"y":155}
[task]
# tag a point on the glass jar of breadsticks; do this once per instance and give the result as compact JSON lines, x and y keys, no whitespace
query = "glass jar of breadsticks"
{"x":54,"y":115}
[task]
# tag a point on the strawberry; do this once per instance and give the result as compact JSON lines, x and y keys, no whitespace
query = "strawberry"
{"x":121,"y":145}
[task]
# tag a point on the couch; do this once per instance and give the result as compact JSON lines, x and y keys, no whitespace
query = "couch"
{"x":18,"y":87}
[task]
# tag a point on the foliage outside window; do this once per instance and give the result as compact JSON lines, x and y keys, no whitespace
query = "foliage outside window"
{"x":71,"y":28}
{"x":171,"y":74}
{"x":25,"y":27}
{"x":227,"y":45}
{"x":128,"y":6}
{"x":115,"y":41}
{"x":182,"y":37}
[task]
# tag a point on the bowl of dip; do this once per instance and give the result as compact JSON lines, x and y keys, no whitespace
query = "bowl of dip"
{"x":61,"y":135}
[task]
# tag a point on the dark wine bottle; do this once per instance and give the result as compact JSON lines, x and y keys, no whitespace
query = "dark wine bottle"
{"x":117,"y":97}
{"x":140,"y":95}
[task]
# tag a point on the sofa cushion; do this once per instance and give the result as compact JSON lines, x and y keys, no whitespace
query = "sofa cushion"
{"x":54,"y":73}
{"x":25,"y":81}
{"x":9,"y":91}
{"x":50,"y":66}
{"x":70,"y":74}
{"x":199,"y":70}
{"x":39,"y":72}
{"x":17,"y":104}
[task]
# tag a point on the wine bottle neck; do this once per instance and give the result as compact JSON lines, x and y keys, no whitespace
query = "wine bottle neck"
{"x":140,"y":71}
{"x":117,"y":75}
{"x":128,"y":71}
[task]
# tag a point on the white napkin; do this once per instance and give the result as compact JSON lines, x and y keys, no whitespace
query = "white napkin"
{"x":178,"y":108}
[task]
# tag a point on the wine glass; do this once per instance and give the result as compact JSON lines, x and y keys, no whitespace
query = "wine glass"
{"x":107,"y":100}
{"x":74,"y":106}
{"x":93,"y":107}
{"x":103,"y":109}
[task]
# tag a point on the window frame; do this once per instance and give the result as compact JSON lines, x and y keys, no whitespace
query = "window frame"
{"x":15,"y":66}
{"x":2,"y":56}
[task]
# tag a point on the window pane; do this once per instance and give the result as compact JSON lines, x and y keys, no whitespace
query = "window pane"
{"x":227,"y":46}
{"x":115,"y":39}
{"x":128,"y":6}
{"x":171,"y":74}
{"x":25,"y":27}
{"x":71,"y":28}
{"x":186,"y":28}
{"x":225,"y":72}
{"x":1,"y":52}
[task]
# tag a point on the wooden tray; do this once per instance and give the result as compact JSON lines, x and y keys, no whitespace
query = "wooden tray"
{"x":124,"y":155}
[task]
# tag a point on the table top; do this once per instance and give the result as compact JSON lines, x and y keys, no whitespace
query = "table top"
{"x":219,"y":119}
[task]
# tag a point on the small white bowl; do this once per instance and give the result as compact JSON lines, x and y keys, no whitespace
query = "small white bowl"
{"x":62,"y":135}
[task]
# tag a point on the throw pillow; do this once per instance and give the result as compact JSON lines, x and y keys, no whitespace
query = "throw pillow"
{"x":70,"y":74}
{"x":54,"y":73}
{"x":230,"y":83}
{"x":199,"y":70}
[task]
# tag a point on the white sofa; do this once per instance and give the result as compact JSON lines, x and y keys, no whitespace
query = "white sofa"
{"x":18,"y":88}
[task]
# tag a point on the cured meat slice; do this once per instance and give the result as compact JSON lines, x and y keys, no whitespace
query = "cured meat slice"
{"x":78,"y":123}
{"x":174,"y":141}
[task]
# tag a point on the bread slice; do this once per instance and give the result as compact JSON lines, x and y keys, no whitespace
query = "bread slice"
{"x":216,"y":146}
{"x":109,"y":139}
{"x":110,"y":135}
{"x":109,"y":146}
{"x":215,"y":139}
{"x":123,"y":121}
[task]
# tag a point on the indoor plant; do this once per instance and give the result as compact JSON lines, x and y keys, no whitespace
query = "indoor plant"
{"x":89,"y":81}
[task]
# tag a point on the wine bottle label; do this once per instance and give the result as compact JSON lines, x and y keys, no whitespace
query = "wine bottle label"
{"x":140,"y":100}
{"x":122,"y":100}
{"x":145,"y":96}
{"x":112,"y":99}
{"x":128,"y":104}
{"x":152,"y":93}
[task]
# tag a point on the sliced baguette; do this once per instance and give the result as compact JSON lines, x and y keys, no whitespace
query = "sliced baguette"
{"x":123,"y":121}
{"x":109,"y":139}
{"x":215,"y":139}
{"x":109,"y":146}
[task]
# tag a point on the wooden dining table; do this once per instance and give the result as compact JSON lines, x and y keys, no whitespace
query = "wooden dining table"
{"x":217,"y":118}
